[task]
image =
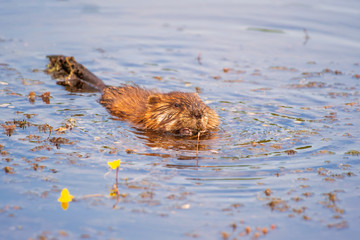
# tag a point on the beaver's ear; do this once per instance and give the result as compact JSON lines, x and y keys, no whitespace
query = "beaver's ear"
{"x":153,"y":99}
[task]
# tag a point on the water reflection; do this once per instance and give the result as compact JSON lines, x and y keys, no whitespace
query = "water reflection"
{"x":179,"y":147}
{"x":175,"y":142}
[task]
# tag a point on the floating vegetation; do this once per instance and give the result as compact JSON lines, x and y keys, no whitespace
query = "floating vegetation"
{"x":46,"y":97}
{"x":57,"y":141}
{"x":45,"y":128}
{"x":22,"y":123}
{"x":9,"y":170}
{"x":69,"y":124}
{"x":8,"y":128}
{"x":31,"y":97}
{"x":353,"y":153}
{"x":41,"y":147}
{"x":266,"y":30}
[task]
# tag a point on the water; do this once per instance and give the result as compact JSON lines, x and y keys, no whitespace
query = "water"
{"x":283,"y":76}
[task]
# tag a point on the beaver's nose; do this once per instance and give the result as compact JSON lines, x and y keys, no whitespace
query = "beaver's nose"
{"x":200,"y":126}
{"x":197,"y":114}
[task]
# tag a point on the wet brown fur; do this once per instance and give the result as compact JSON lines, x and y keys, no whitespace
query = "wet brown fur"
{"x":177,"y":112}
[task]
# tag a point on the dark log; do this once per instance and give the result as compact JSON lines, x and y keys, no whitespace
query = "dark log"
{"x":73,"y":75}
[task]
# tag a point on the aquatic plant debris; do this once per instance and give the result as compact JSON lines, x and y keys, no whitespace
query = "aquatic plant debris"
{"x":265,"y":30}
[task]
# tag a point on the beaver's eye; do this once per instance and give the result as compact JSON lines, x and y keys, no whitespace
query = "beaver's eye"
{"x":177,"y":105}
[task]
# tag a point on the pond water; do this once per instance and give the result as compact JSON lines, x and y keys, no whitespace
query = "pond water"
{"x":284,"y":77}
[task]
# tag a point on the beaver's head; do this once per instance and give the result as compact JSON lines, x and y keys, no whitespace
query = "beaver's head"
{"x":178,"y":112}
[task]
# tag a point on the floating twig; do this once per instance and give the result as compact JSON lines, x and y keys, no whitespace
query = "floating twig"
{"x":199,"y":58}
{"x":197,"y":150}
{"x":307,"y":37}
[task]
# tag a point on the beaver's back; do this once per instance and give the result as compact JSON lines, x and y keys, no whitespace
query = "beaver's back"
{"x":125,"y":102}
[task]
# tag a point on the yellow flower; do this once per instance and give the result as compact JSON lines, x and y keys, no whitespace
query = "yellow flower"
{"x":114,"y":164}
{"x":65,"y":196}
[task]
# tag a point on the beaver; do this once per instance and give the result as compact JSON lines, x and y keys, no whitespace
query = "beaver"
{"x":174,"y":112}
{"x":178,"y":112}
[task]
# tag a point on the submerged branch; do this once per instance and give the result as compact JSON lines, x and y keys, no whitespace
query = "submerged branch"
{"x":73,"y":75}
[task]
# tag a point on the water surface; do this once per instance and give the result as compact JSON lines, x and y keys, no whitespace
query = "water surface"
{"x":283,"y":76}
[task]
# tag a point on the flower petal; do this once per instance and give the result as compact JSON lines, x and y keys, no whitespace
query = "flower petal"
{"x":65,"y":196}
{"x":114,"y":164}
